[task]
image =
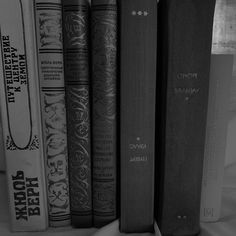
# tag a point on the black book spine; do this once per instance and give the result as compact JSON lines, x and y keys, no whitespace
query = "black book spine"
{"x":76,"y":60}
{"x":104,"y":77}
{"x":138,"y":45}
{"x":186,"y":42}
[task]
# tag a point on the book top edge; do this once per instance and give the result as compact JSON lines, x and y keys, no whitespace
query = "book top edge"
{"x":103,"y":2}
{"x":75,"y":2}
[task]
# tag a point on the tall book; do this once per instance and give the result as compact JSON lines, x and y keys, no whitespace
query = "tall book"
{"x":186,"y":29}
{"x":216,"y":136}
{"x":48,"y":15}
{"x":20,"y":107}
{"x":104,"y":85}
{"x":138,"y":54}
{"x":77,"y":78}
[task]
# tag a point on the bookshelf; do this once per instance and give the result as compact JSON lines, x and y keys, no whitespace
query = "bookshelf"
{"x":223,"y":42}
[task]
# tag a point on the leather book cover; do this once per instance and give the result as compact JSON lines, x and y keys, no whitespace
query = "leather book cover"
{"x":216,"y":136}
{"x":186,"y":31}
{"x":48,"y":17}
{"x":138,"y":51}
{"x":77,"y":79}
{"x":104,"y":117}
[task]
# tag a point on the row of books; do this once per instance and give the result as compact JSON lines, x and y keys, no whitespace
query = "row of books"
{"x":47,"y":130}
{"x":109,"y":111}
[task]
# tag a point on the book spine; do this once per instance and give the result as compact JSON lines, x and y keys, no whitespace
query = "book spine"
{"x":186,"y":65}
{"x":2,"y":154}
{"x":104,"y":77}
{"x":20,"y":107}
{"x":76,"y":57}
{"x":48,"y":15}
{"x":138,"y":58}
{"x":216,"y":136}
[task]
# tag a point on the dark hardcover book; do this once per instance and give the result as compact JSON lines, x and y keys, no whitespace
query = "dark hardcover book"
{"x":76,"y":59}
{"x":104,"y":79}
{"x":186,"y":31}
{"x":138,"y":45}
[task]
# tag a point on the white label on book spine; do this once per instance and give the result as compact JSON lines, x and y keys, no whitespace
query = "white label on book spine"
{"x":20,"y":104}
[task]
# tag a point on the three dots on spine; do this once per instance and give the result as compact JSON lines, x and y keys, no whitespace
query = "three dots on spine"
{"x":139,"y":13}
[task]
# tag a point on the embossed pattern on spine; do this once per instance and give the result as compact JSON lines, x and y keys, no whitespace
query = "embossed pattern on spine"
{"x":76,"y":55}
{"x":50,"y":51}
{"x":104,"y":72}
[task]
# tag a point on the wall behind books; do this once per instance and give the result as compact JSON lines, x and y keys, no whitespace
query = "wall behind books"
{"x":224,"y":42}
{"x":231,"y":136}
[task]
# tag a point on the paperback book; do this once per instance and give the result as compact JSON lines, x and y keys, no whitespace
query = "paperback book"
{"x":216,"y":136}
